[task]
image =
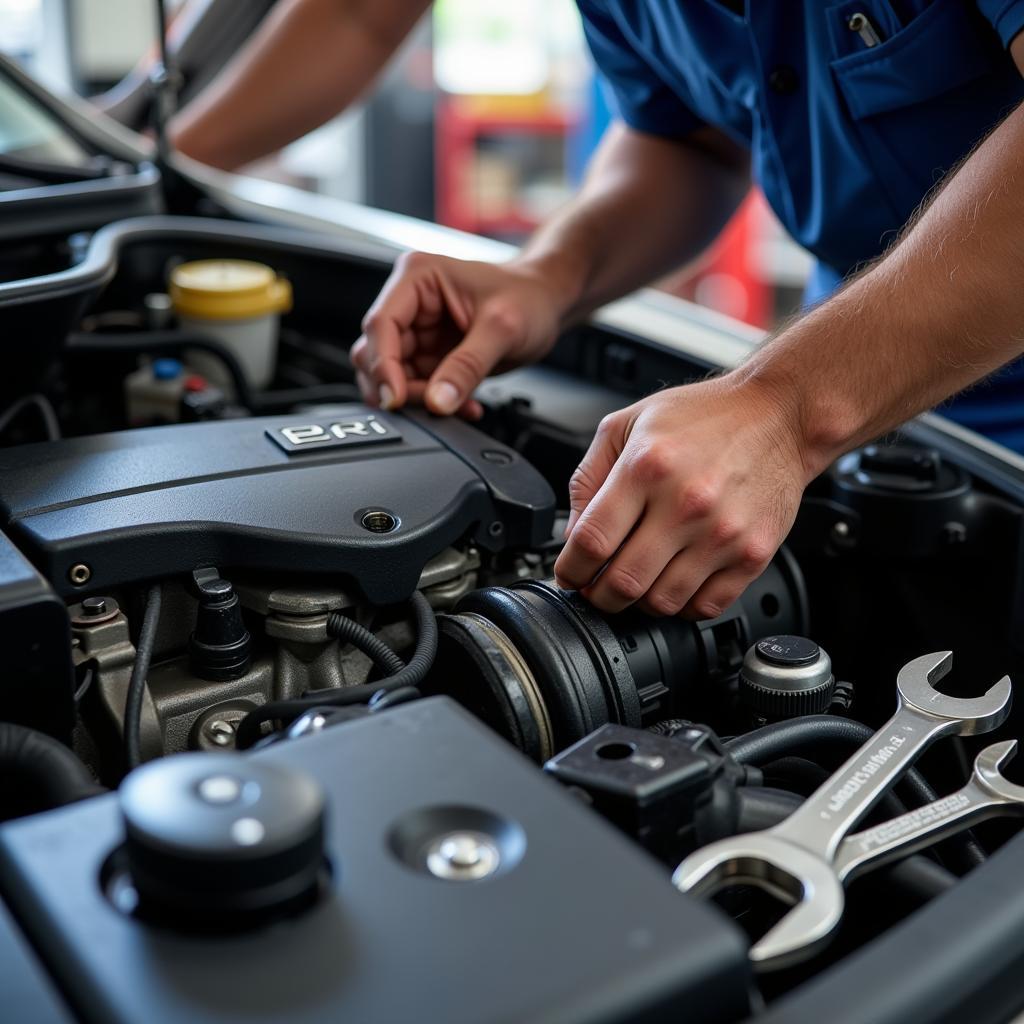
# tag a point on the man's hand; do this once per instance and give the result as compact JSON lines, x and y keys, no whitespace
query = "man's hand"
{"x":683,"y":499}
{"x":441,"y":325}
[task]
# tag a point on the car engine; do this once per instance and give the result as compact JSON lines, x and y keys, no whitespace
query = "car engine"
{"x":195,"y":564}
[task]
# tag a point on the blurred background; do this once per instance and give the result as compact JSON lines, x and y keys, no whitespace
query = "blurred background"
{"x":483,"y":121}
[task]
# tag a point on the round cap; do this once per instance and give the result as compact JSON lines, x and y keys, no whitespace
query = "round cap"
{"x":221,"y":837}
{"x":228,"y":290}
{"x":786,"y":676}
{"x":788,"y":651}
{"x":166,"y":369}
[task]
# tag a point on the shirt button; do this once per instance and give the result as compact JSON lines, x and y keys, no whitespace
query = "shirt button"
{"x":784,"y":80}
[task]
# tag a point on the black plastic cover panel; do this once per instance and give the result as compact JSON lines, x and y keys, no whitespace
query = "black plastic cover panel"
{"x":580,"y":927}
{"x":37,"y":688}
{"x":285,"y":493}
{"x":29,"y":995}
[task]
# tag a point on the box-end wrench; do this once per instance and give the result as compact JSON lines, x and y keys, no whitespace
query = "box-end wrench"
{"x":794,"y":861}
{"x":987,"y":794}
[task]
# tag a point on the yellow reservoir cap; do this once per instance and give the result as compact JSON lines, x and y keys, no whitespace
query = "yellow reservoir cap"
{"x":228,"y":290}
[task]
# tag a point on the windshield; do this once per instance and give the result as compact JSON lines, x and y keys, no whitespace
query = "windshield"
{"x":29,"y":133}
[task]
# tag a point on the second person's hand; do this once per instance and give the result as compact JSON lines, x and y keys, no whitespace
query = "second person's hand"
{"x":683,"y":499}
{"x":440,"y":325}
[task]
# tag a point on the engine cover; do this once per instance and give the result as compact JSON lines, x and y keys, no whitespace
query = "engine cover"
{"x":358,"y":493}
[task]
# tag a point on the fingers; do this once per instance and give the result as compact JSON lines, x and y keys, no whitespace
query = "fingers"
{"x":717,"y":593}
{"x":632,"y":572}
{"x":595,"y":467}
{"x":493,"y":333}
{"x":599,"y":533}
{"x":471,"y":409}
{"x":378,"y":354}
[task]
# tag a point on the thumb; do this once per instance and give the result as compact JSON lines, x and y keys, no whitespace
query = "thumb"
{"x":459,"y":373}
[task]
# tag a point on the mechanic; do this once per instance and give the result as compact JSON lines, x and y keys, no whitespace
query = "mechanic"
{"x":847,"y":114}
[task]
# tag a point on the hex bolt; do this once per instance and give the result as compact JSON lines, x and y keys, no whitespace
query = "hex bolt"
{"x":220,"y":732}
{"x":93,"y":606}
{"x":463,"y":856}
{"x":79,"y":574}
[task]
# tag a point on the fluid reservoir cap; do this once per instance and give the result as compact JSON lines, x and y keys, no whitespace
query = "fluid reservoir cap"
{"x":166,"y":369}
{"x":221,"y":837}
{"x":786,"y":676}
{"x":788,"y":650}
{"x":228,"y":290}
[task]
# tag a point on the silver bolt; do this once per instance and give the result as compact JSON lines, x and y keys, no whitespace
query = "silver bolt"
{"x":841,"y":530}
{"x":463,"y":856}
{"x":220,"y":732}
{"x":79,"y":574}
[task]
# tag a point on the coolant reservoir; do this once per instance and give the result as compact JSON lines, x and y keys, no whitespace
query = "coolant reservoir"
{"x":236,"y":303}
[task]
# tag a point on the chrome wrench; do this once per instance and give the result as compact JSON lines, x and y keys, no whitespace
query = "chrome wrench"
{"x":794,"y":860}
{"x":987,"y":794}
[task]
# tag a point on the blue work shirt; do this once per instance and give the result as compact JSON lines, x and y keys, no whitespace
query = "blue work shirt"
{"x":851,"y":112}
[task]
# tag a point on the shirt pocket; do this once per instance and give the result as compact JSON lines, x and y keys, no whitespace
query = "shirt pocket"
{"x":923,"y":97}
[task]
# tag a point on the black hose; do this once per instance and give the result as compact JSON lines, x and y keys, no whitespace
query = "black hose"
{"x":426,"y":648}
{"x":409,"y":676}
{"x":761,"y":808}
{"x":798,"y":775}
{"x":37,"y":773}
{"x":349,"y":631}
{"x":137,"y":682}
{"x":283,"y":400}
{"x":812,"y":733}
{"x":168,"y":342}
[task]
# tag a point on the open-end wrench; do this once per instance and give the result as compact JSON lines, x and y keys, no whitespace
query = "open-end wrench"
{"x":987,"y":794}
{"x":794,"y":861}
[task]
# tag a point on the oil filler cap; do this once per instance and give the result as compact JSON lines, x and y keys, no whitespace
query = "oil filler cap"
{"x":785,"y":677}
{"x":221,"y":841}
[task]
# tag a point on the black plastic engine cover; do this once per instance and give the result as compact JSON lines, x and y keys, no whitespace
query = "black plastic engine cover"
{"x":35,"y":635}
{"x":576,"y":926}
{"x":284,"y":493}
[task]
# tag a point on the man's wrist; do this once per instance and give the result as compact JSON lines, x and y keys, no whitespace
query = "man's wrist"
{"x":564,"y":277}
{"x":818,"y":421}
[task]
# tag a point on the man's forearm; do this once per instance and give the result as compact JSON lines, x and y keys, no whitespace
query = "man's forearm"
{"x":647,"y":206}
{"x":307,"y":62}
{"x":942,"y":310}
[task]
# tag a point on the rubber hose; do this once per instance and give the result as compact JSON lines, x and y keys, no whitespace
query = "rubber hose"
{"x":349,"y":631}
{"x":798,"y":775}
{"x":762,"y":808}
{"x":426,"y":648}
{"x":38,"y":773}
{"x":274,"y":401}
{"x":165,"y":342}
{"x":137,"y":682}
{"x":286,"y":711}
{"x":811,"y":733}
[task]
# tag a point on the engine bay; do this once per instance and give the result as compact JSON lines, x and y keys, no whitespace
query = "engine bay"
{"x":193,"y":561}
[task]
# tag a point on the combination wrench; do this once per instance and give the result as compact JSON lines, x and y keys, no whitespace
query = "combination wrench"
{"x":987,"y":794}
{"x":795,"y":860}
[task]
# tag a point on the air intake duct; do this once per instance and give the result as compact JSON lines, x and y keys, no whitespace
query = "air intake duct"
{"x":544,"y":668}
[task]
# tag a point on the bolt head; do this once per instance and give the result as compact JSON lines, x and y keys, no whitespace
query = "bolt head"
{"x":220,"y":732}
{"x":463,"y":856}
{"x":93,"y":606}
